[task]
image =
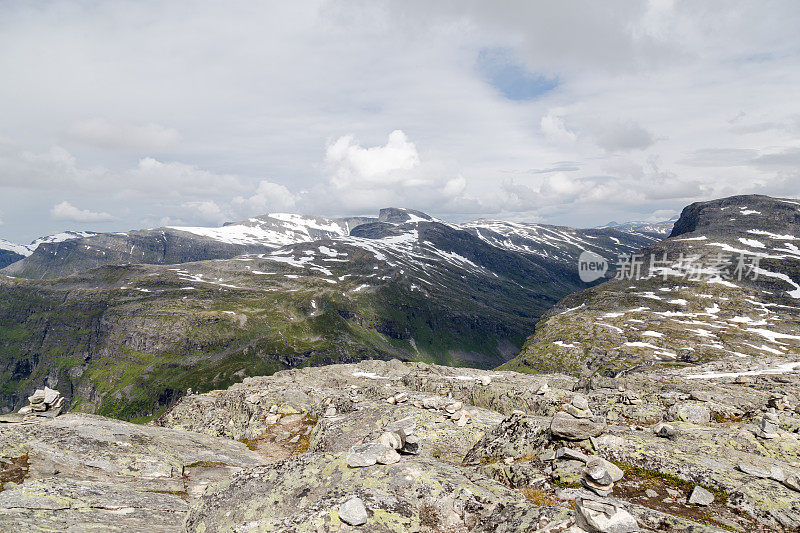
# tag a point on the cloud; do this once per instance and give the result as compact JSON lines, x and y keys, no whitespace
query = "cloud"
{"x":206,"y":211}
{"x":720,"y":157}
{"x":268,"y":197}
{"x":191,"y":93}
{"x":104,"y":134}
{"x":67,"y":211}
{"x":352,"y":166}
{"x":555,"y":130}
{"x":621,"y":136}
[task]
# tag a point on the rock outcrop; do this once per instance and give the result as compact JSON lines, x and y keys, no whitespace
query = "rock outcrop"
{"x":327,"y":451}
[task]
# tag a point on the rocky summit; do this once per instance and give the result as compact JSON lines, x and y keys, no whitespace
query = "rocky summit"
{"x":395,"y":446}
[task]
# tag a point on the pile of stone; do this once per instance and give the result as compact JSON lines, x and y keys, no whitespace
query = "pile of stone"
{"x":575,"y":421}
{"x":630,"y":398}
{"x":600,"y":475}
{"x":44,"y":402}
{"x":452,"y":409}
{"x":597,"y":516}
{"x":780,"y":402}
{"x":768,"y":427}
{"x":400,"y":397}
{"x":385,"y":450}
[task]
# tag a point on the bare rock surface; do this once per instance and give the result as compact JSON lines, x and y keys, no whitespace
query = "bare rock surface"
{"x":422,"y":448}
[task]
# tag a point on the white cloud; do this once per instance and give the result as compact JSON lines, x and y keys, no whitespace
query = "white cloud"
{"x":268,"y":197}
{"x":621,"y":136}
{"x":206,"y":211}
{"x":351,"y":165}
{"x":555,"y":130}
{"x":100,"y":132}
{"x":675,"y":80}
{"x":67,"y":211}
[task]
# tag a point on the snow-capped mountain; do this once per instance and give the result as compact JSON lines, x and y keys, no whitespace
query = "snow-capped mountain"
{"x":259,"y":235}
{"x":658,"y":230}
{"x":724,"y":287}
{"x":277,"y":229}
{"x":11,"y":252}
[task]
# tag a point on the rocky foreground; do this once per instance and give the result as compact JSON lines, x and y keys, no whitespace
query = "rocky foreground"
{"x":391,"y":446}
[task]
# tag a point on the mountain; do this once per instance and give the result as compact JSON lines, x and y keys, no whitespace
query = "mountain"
{"x":11,"y":252}
{"x":723,"y":288}
{"x":173,"y":245}
{"x":126,"y":340}
{"x":659,"y":230}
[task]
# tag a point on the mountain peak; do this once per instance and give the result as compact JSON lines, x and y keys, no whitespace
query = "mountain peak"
{"x":726,"y":214}
{"x":400,"y":215}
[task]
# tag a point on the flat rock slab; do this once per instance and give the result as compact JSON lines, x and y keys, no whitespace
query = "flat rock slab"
{"x":56,"y":504}
{"x":84,"y":472}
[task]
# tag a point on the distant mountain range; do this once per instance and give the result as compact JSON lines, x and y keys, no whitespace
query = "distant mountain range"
{"x":124,"y":322}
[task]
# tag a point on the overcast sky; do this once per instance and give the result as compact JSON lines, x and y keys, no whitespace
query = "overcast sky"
{"x":120,"y":115}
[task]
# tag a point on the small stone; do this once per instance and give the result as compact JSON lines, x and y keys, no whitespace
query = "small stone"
{"x":577,"y":413}
{"x":650,"y":493}
{"x":548,"y":455}
{"x":486,"y":380}
{"x":453,"y":407}
{"x":700,"y":396}
{"x":569,"y":427}
{"x":353,"y":512}
{"x":388,"y":457}
{"x":701,"y":496}
{"x":37,"y":396}
{"x":777,"y":474}
{"x":598,"y":474}
{"x":580,"y":402}
{"x":542,"y":388}
{"x":273,"y":409}
{"x":664,"y":430}
{"x":365,"y":454}
{"x":753,"y":470}
{"x":597,"y":488}
{"x":51,"y":395}
{"x":401,"y":397}
{"x":391,"y":400}
{"x":25,"y":410}
{"x":330,"y":411}
{"x":569,"y":453}
{"x":598,"y":517}
{"x":411,"y":445}
{"x":272,"y":419}
{"x":613,"y":470}
{"x":391,"y":440}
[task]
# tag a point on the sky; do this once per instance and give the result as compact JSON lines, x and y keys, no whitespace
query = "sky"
{"x":119,"y":115}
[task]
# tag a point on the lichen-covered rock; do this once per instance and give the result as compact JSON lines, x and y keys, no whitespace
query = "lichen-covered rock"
{"x":83,"y":472}
{"x":408,"y":496}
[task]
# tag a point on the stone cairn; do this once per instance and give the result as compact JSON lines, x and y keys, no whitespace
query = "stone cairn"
{"x":575,"y":421}
{"x":768,"y":427}
{"x":44,"y":402}
{"x":600,"y":475}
